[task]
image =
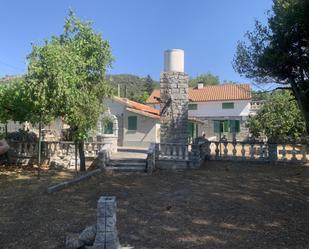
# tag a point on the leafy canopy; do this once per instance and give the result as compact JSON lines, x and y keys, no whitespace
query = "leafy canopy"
{"x":207,"y":79}
{"x":66,"y":76}
{"x":279,"y":118}
{"x":279,"y":52}
{"x":13,"y":101}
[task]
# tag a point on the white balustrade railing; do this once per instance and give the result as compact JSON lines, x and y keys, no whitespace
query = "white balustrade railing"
{"x":173,"y":151}
{"x":256,"y":151}
{"x":53,"y":148}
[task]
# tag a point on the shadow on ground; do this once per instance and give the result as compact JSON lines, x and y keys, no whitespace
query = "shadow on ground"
{"x":221,"y":205}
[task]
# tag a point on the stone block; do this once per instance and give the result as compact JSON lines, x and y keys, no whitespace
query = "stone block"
{"x":106,"y":224}
{"x":73,"y":242}
{"x":88,"y":235}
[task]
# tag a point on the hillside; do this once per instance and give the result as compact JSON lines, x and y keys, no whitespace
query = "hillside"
{"x":132,"y":86}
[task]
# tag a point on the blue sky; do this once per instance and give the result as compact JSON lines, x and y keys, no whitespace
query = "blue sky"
{"x":138,"y":30}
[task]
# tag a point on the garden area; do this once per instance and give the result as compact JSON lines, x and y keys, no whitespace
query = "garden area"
{"x":221,"y":205}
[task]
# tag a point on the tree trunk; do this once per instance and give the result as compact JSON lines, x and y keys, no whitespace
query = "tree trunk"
{"x":301,"y":103}
{"x":6,"y":130}
{"x":76,"y":157}
{"x":39,"y":149}
{"x":82,"y":156}
{"x":306,"y":116}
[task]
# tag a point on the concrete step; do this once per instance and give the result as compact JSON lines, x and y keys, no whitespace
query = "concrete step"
{"x":128,"y":168}
{"x":141,"y":163}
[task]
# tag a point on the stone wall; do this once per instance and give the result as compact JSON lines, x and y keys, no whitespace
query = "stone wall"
{"x":174,"y":107}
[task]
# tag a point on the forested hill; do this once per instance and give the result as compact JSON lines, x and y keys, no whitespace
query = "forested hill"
{"x":132,"y":86}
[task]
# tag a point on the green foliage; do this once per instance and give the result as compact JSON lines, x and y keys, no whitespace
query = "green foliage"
{"x":66,"y":76}
{"x":142,"y":98}
{"x":150,"y":84}
{"x":259,"y":95}
{"x":14,"y":102}
{"x":132,"y":86}
{"x":279,"y":52}
{"x":207,"y":79}
{"x":279,"y":118}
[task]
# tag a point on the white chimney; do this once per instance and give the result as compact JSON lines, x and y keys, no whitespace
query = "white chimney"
{"x":200,"y":86}
{"x":174,"y":60}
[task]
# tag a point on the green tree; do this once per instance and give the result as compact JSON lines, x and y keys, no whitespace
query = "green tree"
{"x":149,"y":84}
{"x":279,"y":52}
{"x":14,"y":104}
{"x":260,"y":95}
{"x":142,"y":98}
{"x":207,"y":79}
{"x":279,"y":118}
{"x":66,"y":78}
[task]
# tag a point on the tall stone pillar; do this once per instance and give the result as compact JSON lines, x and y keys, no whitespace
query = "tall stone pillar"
{"x":174,"y":99}
{"x":107,"y":235}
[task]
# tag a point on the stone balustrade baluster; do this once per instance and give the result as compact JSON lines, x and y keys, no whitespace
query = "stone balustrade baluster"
{"x":169,"y":151}
{"x":252,"y":151}
{"x":304,"y":154}
{"x":180,"y":152}
{"x":174,"y":153}
{"x":261,"y":152}
{"x":217,"y":149}
{"x":225,"y":150}
{"x":284,"y":152}
{"x":243,"y":151}
{"x":294,"y":153}
{"x":234,"y":151}
{"x":186,"y":152}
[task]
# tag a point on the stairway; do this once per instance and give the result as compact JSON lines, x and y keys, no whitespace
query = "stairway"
{"x":128,"y":159}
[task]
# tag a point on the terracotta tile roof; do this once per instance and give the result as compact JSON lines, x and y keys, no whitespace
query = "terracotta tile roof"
{"x":137,"y":106}
{"x":147,"y":114}
{"x":211,"y":93}
{"x":145,"y":110}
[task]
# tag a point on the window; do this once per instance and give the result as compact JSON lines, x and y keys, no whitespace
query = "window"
{"x":193,"y":130}
{"x":228,"y":105}
{"x":132,"y":123}
{"x":107,"y":126}
{"x":232,"y":126}
{"x":192,"y":107}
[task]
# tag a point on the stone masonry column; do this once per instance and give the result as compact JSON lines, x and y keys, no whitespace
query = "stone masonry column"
{"x":174,"y":99}
{"x":107,"y":235}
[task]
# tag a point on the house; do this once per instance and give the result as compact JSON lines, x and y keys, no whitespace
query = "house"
{"x":138,"y":124}
{"x":220,"y":110}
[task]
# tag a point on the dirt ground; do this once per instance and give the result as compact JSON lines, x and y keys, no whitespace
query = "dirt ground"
{"x":221,"y":205}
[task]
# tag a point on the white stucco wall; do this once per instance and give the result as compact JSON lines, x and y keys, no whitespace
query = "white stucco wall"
{"x":115,"y":107}
{"x":147,"y":127}
{"x":146,"y":133}
{"x":214,"y":109}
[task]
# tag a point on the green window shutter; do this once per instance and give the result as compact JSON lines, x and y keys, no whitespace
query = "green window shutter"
{"x":190,"y":129}
{"x":108,"y":127}
{"x":237,"y":125}
{"x":192,"y":107}
{"x":226,"y":126}
{"x":132,"y":123}
{"x":228,"y":105}
{"x":216,"y":126}
{"x":234,"y":126}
